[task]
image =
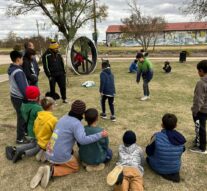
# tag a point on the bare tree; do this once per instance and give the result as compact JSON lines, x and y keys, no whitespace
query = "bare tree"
{"x":196,"y":7}
{"x":143,"y":29}
{"x":67,"y":15}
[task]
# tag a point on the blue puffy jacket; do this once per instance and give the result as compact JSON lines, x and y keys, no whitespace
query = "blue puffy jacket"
{"x":166,"y":157}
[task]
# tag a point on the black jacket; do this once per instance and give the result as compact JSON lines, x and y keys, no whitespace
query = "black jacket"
{"x":53,"y":64}
{"x":31,"y":70}
{"x":107,"y":86}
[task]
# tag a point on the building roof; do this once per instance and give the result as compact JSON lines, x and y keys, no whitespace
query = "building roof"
{"x":187,"y":26}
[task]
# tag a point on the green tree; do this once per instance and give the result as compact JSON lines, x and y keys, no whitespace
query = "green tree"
{"x":143,"y":29}
{"x":67,"y":15}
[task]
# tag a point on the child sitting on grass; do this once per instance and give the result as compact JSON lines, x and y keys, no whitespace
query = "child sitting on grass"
{"x":128,"y":174}
{"x":59,"y":152}
{"x":29,"y":112}
{"x":133,"y":66}
{"x":94,"y":155}
{"x":30,"y":108}
{"x":44,"y":126}
{"x":167,"y":68}
{"x":165,"y":150}
{"x":43,"y":129}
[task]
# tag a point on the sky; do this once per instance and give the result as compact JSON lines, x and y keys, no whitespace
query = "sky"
{"x":25,"y":26}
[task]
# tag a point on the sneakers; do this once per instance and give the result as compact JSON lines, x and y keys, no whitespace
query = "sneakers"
{"x":46,"y":176}
{"x":113,"y":176}
{"x":145,"y":98}
{"x":37,"y":178}
{"x":113,"y":118}
{"x":65,"y":101}
{"x":22,"y":141}
{"x":198,"y":150}
{"x":42,"y":176}
{"x":18,"y":156}
{"x":40,"y":156}
{"x":90,"y":168}
{"x":103,"y":115}
{"x":10,"y":152}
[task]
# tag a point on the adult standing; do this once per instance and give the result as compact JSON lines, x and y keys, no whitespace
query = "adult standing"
{"x":53,"y":65}
{"x":146,"y":71}
{"x":30,"y":65}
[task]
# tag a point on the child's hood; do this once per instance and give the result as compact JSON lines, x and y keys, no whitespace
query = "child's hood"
{"x":44,"y":116}
{"x":175,"y":137}
{"x":131,"y":148}
{"x":13,"y":67}
{"x":204,"y":79}
{"x":107,"y":71}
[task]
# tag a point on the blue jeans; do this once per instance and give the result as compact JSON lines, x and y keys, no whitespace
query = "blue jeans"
{"x":108,"y":155}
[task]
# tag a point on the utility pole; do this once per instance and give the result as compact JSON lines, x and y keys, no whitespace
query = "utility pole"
{"x":38,"y":32}
{"x":95,"y":35}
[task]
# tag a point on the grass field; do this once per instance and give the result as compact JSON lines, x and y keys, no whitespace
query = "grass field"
{"x":169,"y":93}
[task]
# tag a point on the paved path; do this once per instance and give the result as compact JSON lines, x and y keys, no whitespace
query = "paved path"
{"x":5,"y":59}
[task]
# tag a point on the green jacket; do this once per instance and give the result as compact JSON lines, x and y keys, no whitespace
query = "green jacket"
{"x":145,"y":70}
{"x":29,"y":112}
{"x":94,"y":153}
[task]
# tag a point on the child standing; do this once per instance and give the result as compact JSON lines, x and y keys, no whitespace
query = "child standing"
{"x":30,"y":108}
{"x":59,"y":149}
{"x":18,"y":84}
{"x":94,"y":155}
{"x":128,"y":174}
{"x":199,"y":109}
{"x":107,"y":90}
{"x":146,"y":71}
{"x":165,"y":150}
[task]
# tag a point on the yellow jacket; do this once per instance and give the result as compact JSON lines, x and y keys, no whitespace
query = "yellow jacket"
{"x":43,"y":127}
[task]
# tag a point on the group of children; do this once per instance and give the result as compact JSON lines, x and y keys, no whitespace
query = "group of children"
{"x":53,"y":140}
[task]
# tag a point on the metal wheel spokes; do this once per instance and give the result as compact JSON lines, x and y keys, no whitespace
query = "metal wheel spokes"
{"x":83,"y":56}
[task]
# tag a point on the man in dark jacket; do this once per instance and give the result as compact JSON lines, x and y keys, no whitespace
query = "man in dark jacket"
{"x":107,"y":89}
{"x":54,"y":69}
{"x":30,"y":65}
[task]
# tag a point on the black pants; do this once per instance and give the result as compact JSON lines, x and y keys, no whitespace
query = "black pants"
{"x":200,"y":122}
{"x":110,"y":101}
{"x":21,"y":124}
{"x":61,"y":81}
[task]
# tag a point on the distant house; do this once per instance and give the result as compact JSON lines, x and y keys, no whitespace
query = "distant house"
{"x":174,"y":34}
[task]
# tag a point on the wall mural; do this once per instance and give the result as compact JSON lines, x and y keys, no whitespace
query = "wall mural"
{"x":167,"y":38}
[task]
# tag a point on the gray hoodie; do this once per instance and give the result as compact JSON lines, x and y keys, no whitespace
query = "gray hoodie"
{"x":131,"y":156}
{"x":200,"y":97}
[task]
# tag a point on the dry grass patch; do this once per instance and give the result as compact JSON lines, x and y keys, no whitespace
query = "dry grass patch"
{"x":169,"y":93}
